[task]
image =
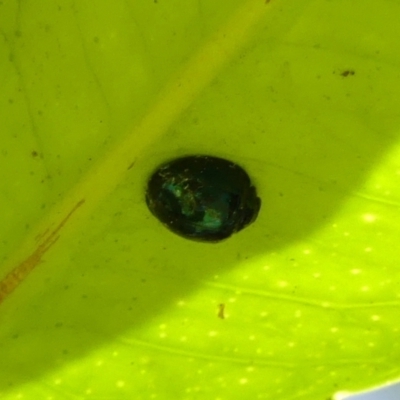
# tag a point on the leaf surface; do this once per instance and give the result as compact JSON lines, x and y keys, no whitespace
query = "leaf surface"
{"x":98,"y":299}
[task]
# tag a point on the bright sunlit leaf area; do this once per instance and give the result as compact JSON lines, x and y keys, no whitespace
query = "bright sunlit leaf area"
{"x":99,"y":300}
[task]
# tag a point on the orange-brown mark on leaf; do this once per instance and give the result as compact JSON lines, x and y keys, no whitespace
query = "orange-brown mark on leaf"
{"x":41,"y":235}
{"x":20,"y":272}
{"x":221,"y":311}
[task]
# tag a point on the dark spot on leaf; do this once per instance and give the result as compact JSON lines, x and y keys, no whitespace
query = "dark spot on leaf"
{"x":221,"y":311}
{"x":348,"y":72}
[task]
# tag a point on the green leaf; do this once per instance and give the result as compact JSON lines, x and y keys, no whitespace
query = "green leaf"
{"x":98,"y":299}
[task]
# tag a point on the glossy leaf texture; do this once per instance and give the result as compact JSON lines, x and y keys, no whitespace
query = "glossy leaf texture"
{"x":98,"y":299}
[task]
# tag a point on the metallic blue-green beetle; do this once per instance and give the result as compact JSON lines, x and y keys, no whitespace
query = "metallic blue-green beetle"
{"x":202,"y":198}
